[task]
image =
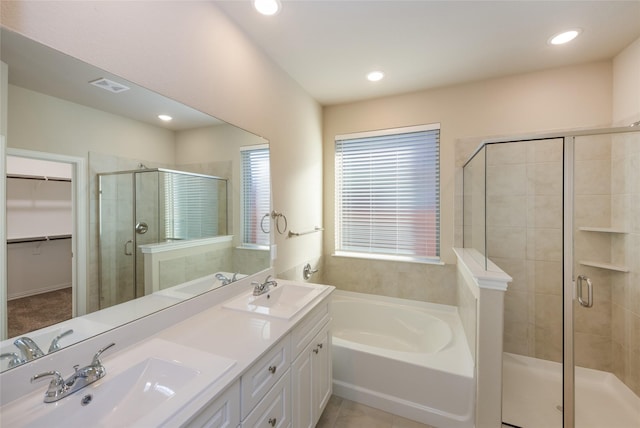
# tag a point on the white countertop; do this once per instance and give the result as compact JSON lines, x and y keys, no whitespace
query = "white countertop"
{"x":240,"y":336}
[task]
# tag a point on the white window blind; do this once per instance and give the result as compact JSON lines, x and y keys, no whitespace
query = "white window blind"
{"x":388,"y":192}
{"x":191,"y":206}
{"x":256,"y":195}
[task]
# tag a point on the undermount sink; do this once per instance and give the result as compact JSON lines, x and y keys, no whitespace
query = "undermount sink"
{"x":283,"y":301}
{"x":143,"y":387}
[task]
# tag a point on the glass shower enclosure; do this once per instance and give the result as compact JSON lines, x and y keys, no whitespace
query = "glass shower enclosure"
{"x":561,"y":214}
{"x":151,"y":206}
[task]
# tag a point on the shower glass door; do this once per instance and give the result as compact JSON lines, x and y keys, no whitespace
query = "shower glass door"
{"x":524,"y":206}
{"x":606,"y":276}
{"x":117,"y":240}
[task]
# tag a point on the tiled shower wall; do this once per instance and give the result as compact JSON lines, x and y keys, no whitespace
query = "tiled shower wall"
{"x":625,"y":296}
{"x":524,"y":238}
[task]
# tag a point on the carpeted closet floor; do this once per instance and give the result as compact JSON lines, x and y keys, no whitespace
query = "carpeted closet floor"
{"x":41,"y":310}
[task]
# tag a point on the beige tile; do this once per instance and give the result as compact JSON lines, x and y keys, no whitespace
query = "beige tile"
{"x":592,"y":210}
{"x":330,"y":414}
{"x":545,"y":151}
{"x":544,"y":244}
{"x":592,"y":177}
{"x":400,"y":422}
{"x":506,"y":242}
{"x":593,"y":147}
{"x":506,"y":179}
{"x":506,"y":153}
{"x":544,"y":211}
{"x":545,"y":276}
{"x":544,"y":178}
{"x":507,"y":210}
{"x":358,"y":415}
{"x":592,"y":351}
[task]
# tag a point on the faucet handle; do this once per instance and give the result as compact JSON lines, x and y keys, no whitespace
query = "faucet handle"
{"x":57,"y":377}
{"x":96,"y":357}
{"x":54,"y":343}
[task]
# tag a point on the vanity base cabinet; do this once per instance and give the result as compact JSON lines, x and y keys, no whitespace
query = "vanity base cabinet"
{"x":223,"y":412}
{"x":311,"y":380}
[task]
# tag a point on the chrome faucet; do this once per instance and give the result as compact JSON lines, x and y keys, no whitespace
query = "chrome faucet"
{"x":259,"y":289}
{"x":60,"y":388}
{"x":225,"y":281}
{"x":28,"y":348}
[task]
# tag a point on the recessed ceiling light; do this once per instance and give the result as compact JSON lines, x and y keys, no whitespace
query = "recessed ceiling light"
{"x":267,"y":7}
{"x":564,"y":37}
{"x":164,"y":117}
{"x":375,"y":76}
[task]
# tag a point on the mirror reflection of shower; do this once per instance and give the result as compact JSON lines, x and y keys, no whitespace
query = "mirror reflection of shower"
{"x":151,"y":206}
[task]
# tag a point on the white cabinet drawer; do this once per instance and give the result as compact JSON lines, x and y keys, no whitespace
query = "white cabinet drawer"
{"x":255,"y":383}
{"x":309,"y":326}
{"x":274,"y":411}
{"x":223,"y":412}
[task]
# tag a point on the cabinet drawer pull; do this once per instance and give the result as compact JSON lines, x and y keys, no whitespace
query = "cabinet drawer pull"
{"x":315,"y":350}
{"x":272,"y":421}
{"x":320,"y":345}
{"x":272,"y":369}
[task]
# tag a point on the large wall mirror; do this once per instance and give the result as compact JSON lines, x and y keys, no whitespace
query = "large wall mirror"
{"x":111,"y":212}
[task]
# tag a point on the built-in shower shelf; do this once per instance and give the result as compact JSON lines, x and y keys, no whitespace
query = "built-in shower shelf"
{"x":608,"y":266}
{"x":602,"y":229}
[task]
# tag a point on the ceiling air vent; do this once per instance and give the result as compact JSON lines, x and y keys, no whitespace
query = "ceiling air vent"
{"x":109,"y":85}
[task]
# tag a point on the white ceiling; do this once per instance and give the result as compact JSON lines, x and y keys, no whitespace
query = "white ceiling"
{"x":329,"y":46}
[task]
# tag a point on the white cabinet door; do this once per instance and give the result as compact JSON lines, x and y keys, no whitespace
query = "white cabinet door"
{"x":302,"y":389}
{"x":322,"y":373}
{"x":312,"y":380}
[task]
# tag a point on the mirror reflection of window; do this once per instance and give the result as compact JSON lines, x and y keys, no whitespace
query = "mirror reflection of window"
{"x":256,"y":195}
{"x":192,"y":208}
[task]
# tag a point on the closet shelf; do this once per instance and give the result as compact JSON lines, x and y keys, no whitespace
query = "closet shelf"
{"x":608,"y":266}
{"x":37,"y":239}
{"x":37,"y":177}
{"x":602,"y":229}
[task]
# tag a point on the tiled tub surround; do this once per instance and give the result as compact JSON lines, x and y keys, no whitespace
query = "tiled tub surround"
{"x":405,"y":357}
{"x":239,"y":336}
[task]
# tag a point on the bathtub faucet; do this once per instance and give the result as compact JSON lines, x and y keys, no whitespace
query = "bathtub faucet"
{"x":259,"y":289}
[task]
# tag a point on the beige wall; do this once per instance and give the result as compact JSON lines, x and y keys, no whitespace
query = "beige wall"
{"x":570,"y":97}
{"x":191,"y":52}
{"x":626,"y":85}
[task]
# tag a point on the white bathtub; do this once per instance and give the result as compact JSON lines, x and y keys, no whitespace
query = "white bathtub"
{"x":405,"y":357}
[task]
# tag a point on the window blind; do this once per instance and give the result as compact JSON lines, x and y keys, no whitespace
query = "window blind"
{"x":256,"y":195}
{"x":388,"y":192}
{"x":190,"y":206}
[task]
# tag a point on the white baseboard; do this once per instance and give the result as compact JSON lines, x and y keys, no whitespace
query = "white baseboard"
{"x":36,"y":291}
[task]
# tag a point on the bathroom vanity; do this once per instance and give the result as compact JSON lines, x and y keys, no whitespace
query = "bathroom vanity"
{"x":263,"y":362}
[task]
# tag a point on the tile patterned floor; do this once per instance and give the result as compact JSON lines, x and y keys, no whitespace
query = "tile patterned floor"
{"x":342,"y":413}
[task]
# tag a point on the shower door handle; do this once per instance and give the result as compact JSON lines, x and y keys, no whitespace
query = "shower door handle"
{"x":589,"y":301}
{"x":127,"y":251}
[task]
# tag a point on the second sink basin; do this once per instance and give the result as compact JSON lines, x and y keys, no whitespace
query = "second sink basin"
{"x":283,"y":301}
